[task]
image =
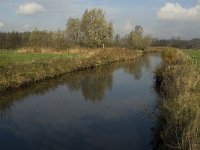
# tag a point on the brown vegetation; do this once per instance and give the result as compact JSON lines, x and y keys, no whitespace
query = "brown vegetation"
{"x":17,"y":75}
{"x":180,"y":108}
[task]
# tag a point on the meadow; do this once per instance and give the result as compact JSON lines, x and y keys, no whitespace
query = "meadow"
{"x":13,"y":57}
{"x":193,"y":53}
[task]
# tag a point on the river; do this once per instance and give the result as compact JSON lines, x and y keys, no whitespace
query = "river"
{"x":106,"y":108}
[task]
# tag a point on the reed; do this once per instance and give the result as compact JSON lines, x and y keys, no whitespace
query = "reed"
{"x":179,"y":110}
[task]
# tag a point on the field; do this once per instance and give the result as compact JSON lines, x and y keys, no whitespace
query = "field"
{"x":12,"y":57}
{"x":194,"y":54}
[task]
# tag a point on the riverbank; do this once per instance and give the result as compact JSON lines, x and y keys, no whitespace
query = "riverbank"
{"x":21,"y":69}
{"x":179,"y":111}
{"x":156,"y":49}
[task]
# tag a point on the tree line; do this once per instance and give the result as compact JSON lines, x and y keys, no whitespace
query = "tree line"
{"x":177,"y":42}
{"x":91,"y":31}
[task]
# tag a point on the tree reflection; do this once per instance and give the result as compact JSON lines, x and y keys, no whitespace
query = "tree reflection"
{"x":147,"y":61}
{"x":92,"y":83}
{"x":135,"y":69}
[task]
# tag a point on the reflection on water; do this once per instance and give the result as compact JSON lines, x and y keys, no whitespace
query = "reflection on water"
{"x":103,"y":108}
{"x":136,"y":68}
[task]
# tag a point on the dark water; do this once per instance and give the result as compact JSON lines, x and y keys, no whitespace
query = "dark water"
{"x":108,"y":108}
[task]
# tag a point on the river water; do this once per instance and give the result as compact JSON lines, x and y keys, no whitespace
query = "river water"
{"x":107,"y":108}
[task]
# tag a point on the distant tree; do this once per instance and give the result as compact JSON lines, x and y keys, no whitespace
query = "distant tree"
{"x":109,"y":35}
{"x":177,"y":42}
{"x":147,"y":42}
{"x":194,"y":43}
{"x":58,"y":40}
{"x":135,"y":39}
{"x":73,"y":30}
{"x":9,"y":41}
{"x":25,"y":39}
{"x":95,"y":31}
{"x":138,"y":30}
{"x":117,"y":40}
{"x":2,"y":40}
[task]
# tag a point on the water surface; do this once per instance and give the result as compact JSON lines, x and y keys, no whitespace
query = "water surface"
{"x":101,"y":109}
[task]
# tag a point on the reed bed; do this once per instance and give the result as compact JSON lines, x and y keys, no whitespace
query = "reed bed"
{"x":179,"y":111}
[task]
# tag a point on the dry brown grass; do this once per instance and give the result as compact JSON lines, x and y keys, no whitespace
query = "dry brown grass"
{"x":180,"y":108}
{"x":22,"y":74}
{"x":158,"y":49}
{"x":49,"y":50}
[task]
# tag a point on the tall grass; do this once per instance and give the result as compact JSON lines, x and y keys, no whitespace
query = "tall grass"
{"x":180,"y":109}
{"x":20,"y":74}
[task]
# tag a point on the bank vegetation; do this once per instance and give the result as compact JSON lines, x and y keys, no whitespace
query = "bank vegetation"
{"x":179,"y":110}
{"x":24,"y":72}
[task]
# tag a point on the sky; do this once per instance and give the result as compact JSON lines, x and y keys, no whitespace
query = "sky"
{"x":159,"y":18}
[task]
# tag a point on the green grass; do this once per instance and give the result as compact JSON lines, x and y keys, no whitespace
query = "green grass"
{"x":195,"y":54}
{"x":12,"y":57}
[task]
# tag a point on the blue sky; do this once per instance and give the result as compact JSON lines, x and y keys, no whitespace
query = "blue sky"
{"x":159,"y":18}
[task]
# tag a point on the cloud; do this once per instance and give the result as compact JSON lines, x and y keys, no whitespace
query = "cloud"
{"x":1,"y":24}
{"x":174,"y":11}
{"x":30,"y":8}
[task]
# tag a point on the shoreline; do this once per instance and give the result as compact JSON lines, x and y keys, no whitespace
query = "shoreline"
{"x":178,"y":80}
{"x":24,"y":74}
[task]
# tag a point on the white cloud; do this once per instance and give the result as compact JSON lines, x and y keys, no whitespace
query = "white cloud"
{"x":30,"y":8}
{"x":174,"y":11}
{"x":1,"y":25}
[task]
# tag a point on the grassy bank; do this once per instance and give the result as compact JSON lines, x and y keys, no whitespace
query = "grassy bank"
{"x":156,"y":49}
{"x":100,"y":78}
{"x":179,"y":116}
{"x":194,"y":54}
{"x":20,"y":69}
